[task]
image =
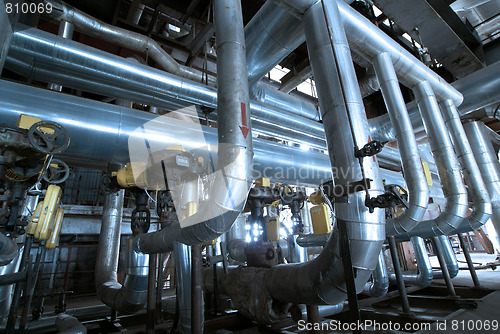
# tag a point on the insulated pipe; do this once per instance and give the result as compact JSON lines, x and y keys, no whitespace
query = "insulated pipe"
{"x":8,"y":250}
{"x":228,"y":194}
{"x":449,"y":171}
{"x":477,"y":189}
{"x":273,"y":98}
{"x":418,"y":190}
{"x":182,"y":255}
{"x":79,"y":116}
{"x":131,"y":296}
{"x":380,"y":284}
{"x":321,"y":281}
{"x":449,"y":257}
{"x":122,"y":37}
{"x":39,"y":55}
{"x":271,"y":35}
{"x":488,"y":165}
{"x":425,"y":275}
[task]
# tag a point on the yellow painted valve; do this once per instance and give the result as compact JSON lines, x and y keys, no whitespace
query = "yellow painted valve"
{"x":34,"y":219}
{"x":49,"y":208}
{"x":54,"y":235}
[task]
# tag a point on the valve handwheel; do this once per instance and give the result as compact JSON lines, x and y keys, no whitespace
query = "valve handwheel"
{"x":48,"y":137}
{"x":57,"y":172}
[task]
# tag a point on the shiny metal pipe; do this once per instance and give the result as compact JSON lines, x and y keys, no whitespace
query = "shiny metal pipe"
{"x":67,"y":324}
{"x":380,"y":284}
{"x":449,"y":171}
{"x":488,"y":164}
{"x":131,"y":296}
{"x":320,"y":281}
{"x":477,"y":189}
{"x":39,"y":55}
{"x":272,"y":97}
{"x":122,"y":37}
{"x":425,"y":275}
{"x":418,"y":191}
{"x":227,"y":197}
{"x":312,"y":240}
{"x":299,"y":312}
{"x":449,"y":257}
{"x":182,"y":255}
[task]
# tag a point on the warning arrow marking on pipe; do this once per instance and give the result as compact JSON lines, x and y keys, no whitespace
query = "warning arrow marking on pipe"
{"x":243,"y":127}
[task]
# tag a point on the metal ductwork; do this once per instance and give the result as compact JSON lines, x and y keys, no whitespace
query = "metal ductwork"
{"x":271,"y":35}
{"x":480,"y":89}
{"x":425,"y":275}
{"x":449,"y":258}
{"x":41,"y":56}
{"x":131,"y":296}
{"x":488,"y":164}
{"x":418,"y":190}
{"x":449,"y":170}
{"x":235,"y":150}
{"x":124,"y":38}
{"x":6,"y":290}
{"x":380,"y":279}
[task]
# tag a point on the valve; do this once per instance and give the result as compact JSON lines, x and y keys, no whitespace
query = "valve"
{"x":141,"y":216}
{"x":370,"y":149}
{"x":48,"y":137}
{"x":57,"y":172}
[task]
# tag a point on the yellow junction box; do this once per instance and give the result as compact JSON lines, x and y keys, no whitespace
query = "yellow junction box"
{"x":273,"y":228}
{"x":262,"y":183}
{"x":320,"y":219}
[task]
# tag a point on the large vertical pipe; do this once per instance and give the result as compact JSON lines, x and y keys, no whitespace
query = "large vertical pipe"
{"x":132,"y":295}
{"x":232,"y":182}
{"x":425,"y":275}
{"x":196,"y":290}
{"x":488,"y":165}
{"x":410,"y":158}
{"x":182,"y":255}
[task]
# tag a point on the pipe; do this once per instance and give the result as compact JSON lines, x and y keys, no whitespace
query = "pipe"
{"x":182,"y":254}
{"x":312,"y":240}
{"x":275,"y":161}
{"x":449,"y":257}
{"x":275,"y":99}
{"x":271,"y":35}
{"x":66,"y":324}
{"x":6,"y":290}
{"x":39,"y":55}
{"x":380,"y":284}
{"x":480,"y":89}
{"x":151,"y":299}
{"x":477,"y":189}
{"x":8,"y":250}
{"x":124,"y":38}
{"x":449,"y":171}
{"x":131,"y":296}
{"x":228,"y":194}
{"x":410,"y":158}
{"x":488,"y":164}
{"x":197,"y":303}
{"x":425,"y":275}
